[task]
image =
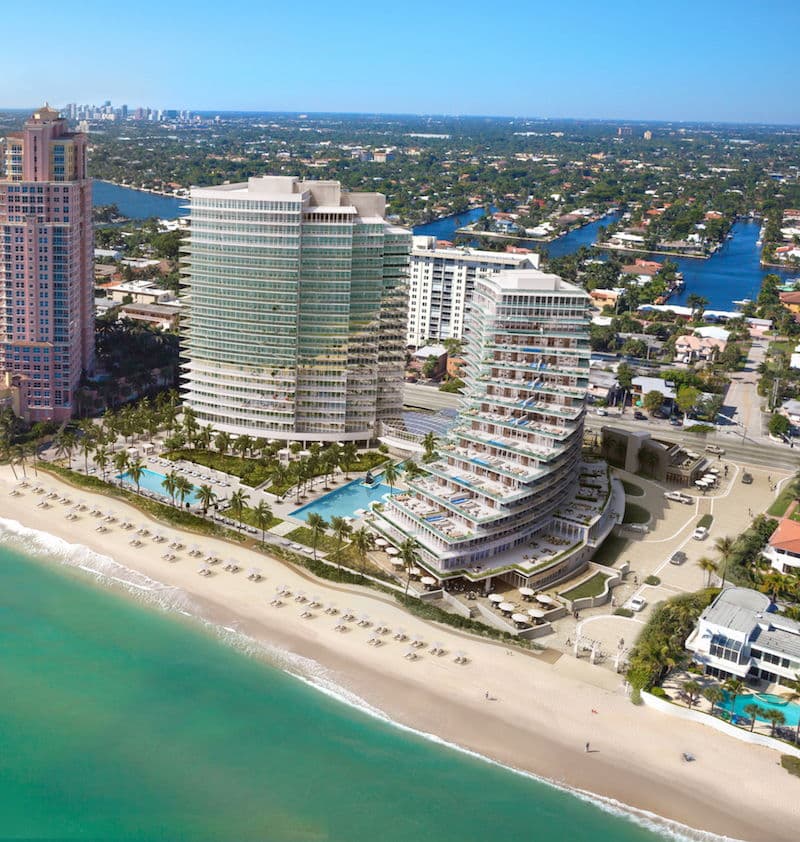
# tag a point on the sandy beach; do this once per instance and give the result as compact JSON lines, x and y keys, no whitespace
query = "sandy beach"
{"x":539,"y":714}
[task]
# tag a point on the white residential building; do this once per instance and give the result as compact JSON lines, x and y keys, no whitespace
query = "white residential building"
{"x":441,"y":281}
{"x":296,"y":310}
{"x":509,"y":494}
{"x":740,"y":634}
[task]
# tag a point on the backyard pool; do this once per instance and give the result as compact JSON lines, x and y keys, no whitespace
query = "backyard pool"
{"x":344,"y":501}
{"x":152,"y":481}
{"x":765,"y":701}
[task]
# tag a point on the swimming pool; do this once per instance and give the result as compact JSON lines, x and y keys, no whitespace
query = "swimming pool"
{"x":764,"y":700}
{"x":344,"y":501}
{"x":152,"y":481}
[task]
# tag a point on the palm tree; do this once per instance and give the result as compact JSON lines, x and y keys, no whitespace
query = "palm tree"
{"x":410,"y":558}
{"x":317,"y":524}
{"x":714,"y":695}
{"x":183,"y":488}
{"x":734,"y":688}
{"x":775,"y":717}
{"x":724,"y":546}
{"x":222,"y":442}
{"x":282,"y":476}
{"x":243,"y":445}
{"x":390,"y":474}
{"x":709,"y":566}
{"x":753,"y":711}
{"x":692,"y":691}
{"x":262,"y":515}
{"x":170,"y":485}
{"x":65,"y":443}
{"x":794,"y":686}
{"x":348,"y":457}
{"x":135,"y":471}
{"x":429,"y":443}
{"x":207,"y":497}
{"x":412,"y":470}
{"x":237,"y":503}
{"x":121,"y":462}
{"x":342,"y":530}
{"x":101,"y":460}
{"x":774,"y":584}
{"x":204,"y":437}
{"x":363,"y":541}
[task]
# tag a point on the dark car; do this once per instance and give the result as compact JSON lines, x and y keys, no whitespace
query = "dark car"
{"x":676,"y":422}
{"x":659,"y":414}
{"x":639,"y":416}
{"x":747,"y":479}
{"x":678,"y":557}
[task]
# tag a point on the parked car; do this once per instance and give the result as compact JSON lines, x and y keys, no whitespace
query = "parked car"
{"x":601,"y":411}
{"x":678,"y":497}
{"x":700,"y":534}
{"x":747,"y":479}
{"x":676,"y":422}
{"x":660,"y":414}
{"x":715,"y":448}
{"x":639,"y":416}
{"x":636,"y":603}
{"x":678,"y":557}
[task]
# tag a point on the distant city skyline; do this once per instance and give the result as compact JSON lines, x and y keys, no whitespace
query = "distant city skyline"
{"x":693,"y":62}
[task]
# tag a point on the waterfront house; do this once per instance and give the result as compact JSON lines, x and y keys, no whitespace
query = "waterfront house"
{"x":791,"y":301}
{"x":741,"y":635}
{"x":783,"y":548}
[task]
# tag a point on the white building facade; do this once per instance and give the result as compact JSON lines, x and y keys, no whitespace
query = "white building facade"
{"x":440,"y":285}
{"x":295,"y":302}
{"x":502,"y":494}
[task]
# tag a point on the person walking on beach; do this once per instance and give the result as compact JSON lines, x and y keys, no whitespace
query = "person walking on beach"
{"x":586,"y":748}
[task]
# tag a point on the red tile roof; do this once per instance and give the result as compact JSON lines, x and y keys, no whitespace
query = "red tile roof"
{"x":787,"y":536}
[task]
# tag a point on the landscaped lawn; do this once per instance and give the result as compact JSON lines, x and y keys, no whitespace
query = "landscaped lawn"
{"x":632,"y":490}
{"x":635,"y":514}
{"x":593,"y":586}
{"x":610,"y":550}
{"x":782,"y":501}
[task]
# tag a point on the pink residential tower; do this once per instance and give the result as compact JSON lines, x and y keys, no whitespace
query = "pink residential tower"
{"x":46,"y":281}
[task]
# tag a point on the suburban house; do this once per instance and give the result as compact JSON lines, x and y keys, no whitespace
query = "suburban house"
{"x":791,"y":301}
{"x":783,"y":548}
{"x":791,"y":409}
{"x":741,"y":635}
{"x":640,"y":266}
{"x":605,"y":297}
{"x":691,"y":348}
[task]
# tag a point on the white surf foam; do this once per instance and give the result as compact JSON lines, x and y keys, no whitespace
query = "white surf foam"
{"x":106,"y":570}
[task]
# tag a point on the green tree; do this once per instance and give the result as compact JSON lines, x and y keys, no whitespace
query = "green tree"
{"x":779,"y":425}
{"x":207,"y":497}
{"x":753,"y":711}
{"x":262,"y":515}
{"x":691,"y":690}
{"x":724,"y":546}
{"x":348,"y":458}
{"x":653,"y":401}
{"x":183,"y":489}
{"x":708,"y":566}
{"x":237,"y":503}
{"x":687,"y":398}
{"x":120,"y":462}
{"x":409,"y":555}
{"x":222,"y":442}
{"x":170,"y":485}
{"x":391,"y":474}
{"x":429,"y":366}
{"x":429,"y":443}
{"x":342,"y":530}
{"x":775,"y":717}
{"x":363,"y":541}
{"x":714,"y":695}
{"x":734,"y":687}
{"x":317,"y":524}
{"x":135,"y":471}
{"x":101,"y":460}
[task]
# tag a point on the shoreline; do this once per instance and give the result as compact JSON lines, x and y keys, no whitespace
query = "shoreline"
{"x":542,"y":712}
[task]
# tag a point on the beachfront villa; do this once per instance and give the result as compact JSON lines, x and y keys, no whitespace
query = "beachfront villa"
{"x":296,"y":313}
{"x":783,"y":548}
{"x":740,"y":635}
{"x":509,"y":494}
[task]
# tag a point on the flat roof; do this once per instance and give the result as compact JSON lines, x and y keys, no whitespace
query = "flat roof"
{"x":533,"y":280}
{"x":737,"y":609}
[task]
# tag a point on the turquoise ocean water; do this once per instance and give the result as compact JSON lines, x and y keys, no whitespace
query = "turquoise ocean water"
{"x":119,"y":720}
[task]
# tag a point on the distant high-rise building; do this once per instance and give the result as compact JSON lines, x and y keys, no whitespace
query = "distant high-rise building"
{"x":46,"y":275}
{"x":124,"y":112}
{"x":296,"y":310}
{"x":624,"y":131}
{"x":440,"y":284}
{"x":648,"y":135}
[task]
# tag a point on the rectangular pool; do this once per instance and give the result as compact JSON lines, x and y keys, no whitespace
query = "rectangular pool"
{"x":344,"y":501}
{"x":152,"y":481}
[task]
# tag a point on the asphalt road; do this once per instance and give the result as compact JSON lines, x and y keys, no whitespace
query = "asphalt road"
{"x":749,"y":451}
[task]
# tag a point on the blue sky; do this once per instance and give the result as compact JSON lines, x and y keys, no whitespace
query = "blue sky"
{"x":674,"y":60}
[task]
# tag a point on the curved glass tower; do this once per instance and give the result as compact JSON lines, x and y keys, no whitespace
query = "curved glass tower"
{"x":295,"y":296}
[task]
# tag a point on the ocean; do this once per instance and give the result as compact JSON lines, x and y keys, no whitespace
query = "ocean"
{"x":122,"y":720}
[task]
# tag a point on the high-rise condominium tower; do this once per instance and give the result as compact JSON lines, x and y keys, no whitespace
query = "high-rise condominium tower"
{"x":440,"y":284}
{"x":47,"y":333}
{"x":502,"y":494}
{"x":297,"y":315}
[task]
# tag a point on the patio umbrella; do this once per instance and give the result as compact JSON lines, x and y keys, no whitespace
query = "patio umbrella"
{"x":428,"y":580}
{"x":519,"y":618}
{"x":495,"y":597}
{"x":506,"y":607}
{"x":545,"y":599}
{"x":536,"y":613}
{"x":381,"y":542}
{"x":528,"y":592}
{"x":392,"y":551}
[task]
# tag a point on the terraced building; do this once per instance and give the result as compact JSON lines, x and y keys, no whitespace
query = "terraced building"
{"x":509,"y":491}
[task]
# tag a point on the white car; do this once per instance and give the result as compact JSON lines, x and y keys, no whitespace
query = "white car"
{"x":678,"y":497}
{"x":715,"y":448}
{"x":636,"y":603}
{"x":700,"y":534}
{"x":601,"y":411}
